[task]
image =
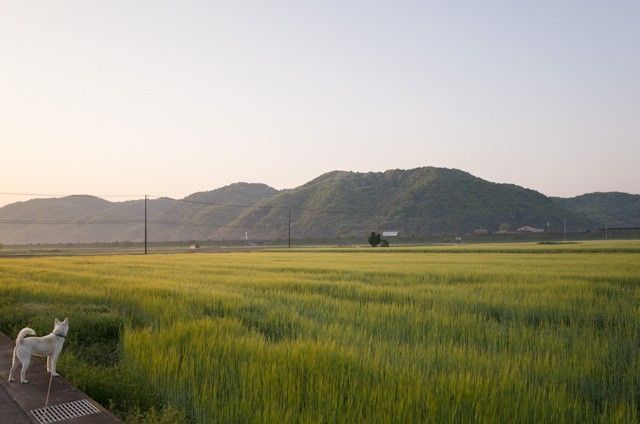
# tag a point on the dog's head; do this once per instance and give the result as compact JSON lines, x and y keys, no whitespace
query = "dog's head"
{"x":61,"y":327}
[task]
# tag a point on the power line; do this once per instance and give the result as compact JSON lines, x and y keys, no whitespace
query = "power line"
{"x":186,"y":224}
{"x":183,"y":224}
{"x":28,"y":222}
{"x":199,"y":202}
{"x":232,"y":205}
{"x":283,"y":207}
{"x":70,"y":195}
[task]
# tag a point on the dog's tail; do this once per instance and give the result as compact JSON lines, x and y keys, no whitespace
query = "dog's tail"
{"x":23,"y":333}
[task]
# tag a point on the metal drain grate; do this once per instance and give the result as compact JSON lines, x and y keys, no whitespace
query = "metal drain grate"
{"x":64,"y":411}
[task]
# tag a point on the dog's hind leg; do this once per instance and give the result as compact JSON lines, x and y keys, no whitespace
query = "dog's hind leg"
{"x":25,"y":360}
{"x":54,"y":362}
{"x":14,"y":364}
{"x":49,"y":363}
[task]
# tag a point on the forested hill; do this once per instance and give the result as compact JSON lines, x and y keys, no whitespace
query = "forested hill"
{"x":416,"y":202}
{"x":422,"y":201}
{"x":613,"y":208}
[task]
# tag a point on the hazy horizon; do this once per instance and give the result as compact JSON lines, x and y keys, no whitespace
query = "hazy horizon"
{"x":175,"y":98}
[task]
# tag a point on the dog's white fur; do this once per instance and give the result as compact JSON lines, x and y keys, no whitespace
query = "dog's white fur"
{"x":49,"y":346}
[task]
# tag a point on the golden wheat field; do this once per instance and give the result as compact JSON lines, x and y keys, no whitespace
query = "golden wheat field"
{"x":488,"y":333}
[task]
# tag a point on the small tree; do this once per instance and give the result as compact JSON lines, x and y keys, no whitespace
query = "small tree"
{"x":375,"y":239}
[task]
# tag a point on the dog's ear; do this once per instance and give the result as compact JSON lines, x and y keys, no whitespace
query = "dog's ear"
{"x":66,"y":320}
{"x":56,"y":322}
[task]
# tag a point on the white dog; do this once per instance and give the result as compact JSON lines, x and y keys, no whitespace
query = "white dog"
{"x":49,"y":346}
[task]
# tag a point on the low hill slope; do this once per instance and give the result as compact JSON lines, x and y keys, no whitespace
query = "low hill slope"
{"x":86,"y":219}
{"x":617,"y":209}
{"x":16,"y":218}
{"x":206,"y":215}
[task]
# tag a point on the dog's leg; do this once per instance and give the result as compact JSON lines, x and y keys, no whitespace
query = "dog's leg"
{"x":14,"y":364}
{"x":54,"y":362}
{"x":25,"y":360}
{"x":49,"y":363}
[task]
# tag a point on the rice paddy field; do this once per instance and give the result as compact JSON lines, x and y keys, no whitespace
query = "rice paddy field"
{"x":487,"y":333}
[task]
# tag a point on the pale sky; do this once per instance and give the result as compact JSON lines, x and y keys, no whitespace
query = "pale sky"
{"x":169,"y":98}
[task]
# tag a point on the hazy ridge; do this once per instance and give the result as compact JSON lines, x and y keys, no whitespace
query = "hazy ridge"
{"x":417,"y":202}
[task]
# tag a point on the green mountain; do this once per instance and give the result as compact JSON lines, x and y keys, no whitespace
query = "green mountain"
{"x":416,"y":202}
{"x":615,"y":208}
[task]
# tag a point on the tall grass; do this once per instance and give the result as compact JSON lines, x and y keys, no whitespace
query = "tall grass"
{"x":414,"y":336}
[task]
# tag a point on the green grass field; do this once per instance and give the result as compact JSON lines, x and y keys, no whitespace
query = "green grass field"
{"x":487,"y":333}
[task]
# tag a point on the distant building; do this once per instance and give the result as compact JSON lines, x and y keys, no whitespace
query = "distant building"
{"x":527,"y":229}
{"x":481,"y":232}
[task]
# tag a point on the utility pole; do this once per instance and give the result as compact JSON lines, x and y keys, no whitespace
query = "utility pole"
{"x":289,"y":227}
{"x":145,"y":224}
{"x":378,"y":226}
{"x":606,"y":235}
{"x":565,"y":229}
